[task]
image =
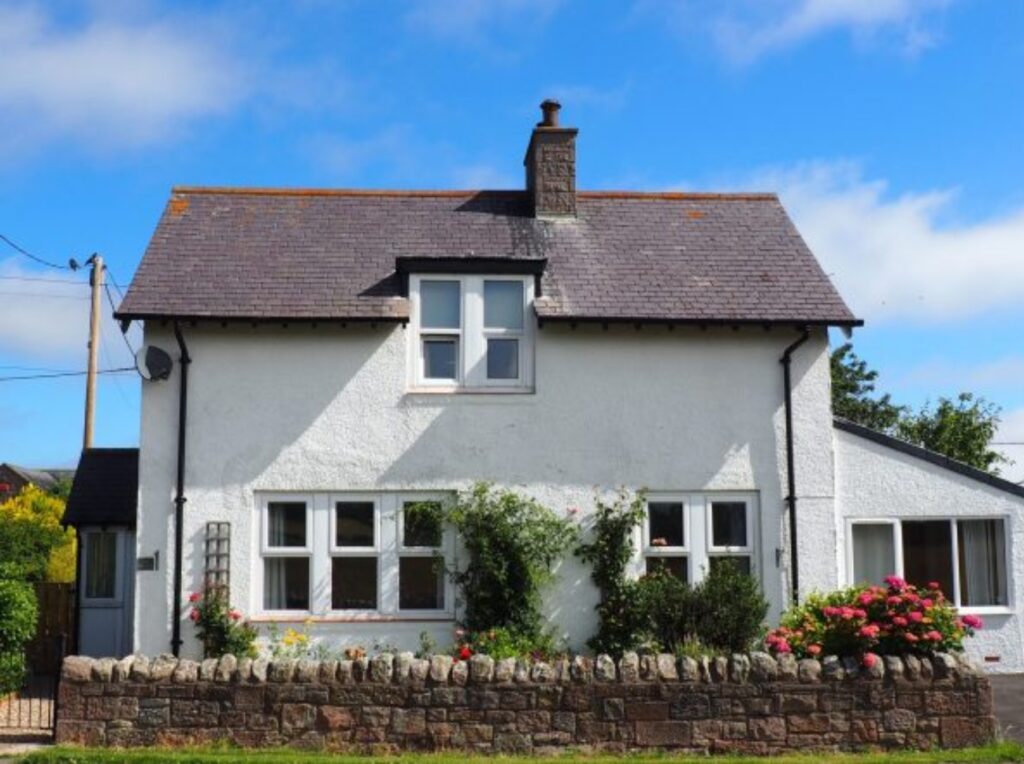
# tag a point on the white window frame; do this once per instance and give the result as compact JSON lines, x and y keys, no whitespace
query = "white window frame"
{"x":698,"y":548}
{"x":730,"y":551}
{"x":897,"y":526}
{"x":321,"y":549}
{"x":374,"y":551}
{"x":651,"y":551}
{"x":446,"y":549}
{"x":472,"y":336}
{"x":267,"y":551}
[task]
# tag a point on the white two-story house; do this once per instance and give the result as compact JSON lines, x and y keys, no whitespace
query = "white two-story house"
{"x":338,"y":355}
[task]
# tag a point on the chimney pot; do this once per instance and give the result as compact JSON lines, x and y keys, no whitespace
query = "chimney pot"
{"x":549,"y":109}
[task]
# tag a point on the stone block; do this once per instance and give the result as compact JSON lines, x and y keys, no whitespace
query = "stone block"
{"x":440,"y":668}
{"x":629,"y":667}
{"x":663,"y":734}
{"x":76,"y":668}
{"x":381,"y":668}
{"x":226,"y":667}
{"x":963,"y":732}
{"x":647,"y":711}
{"x":460,"y":673}
{"x":306,"y":671}
{"x":481,"y":668}
{"x":771,"y":729}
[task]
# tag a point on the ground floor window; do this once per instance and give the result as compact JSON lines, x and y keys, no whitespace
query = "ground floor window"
{"x":354,"y":554}
{"x":689,"y":534}
{"x":965,"y":556}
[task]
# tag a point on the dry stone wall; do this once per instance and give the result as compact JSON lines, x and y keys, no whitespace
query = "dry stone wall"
{"x":749,"y":704}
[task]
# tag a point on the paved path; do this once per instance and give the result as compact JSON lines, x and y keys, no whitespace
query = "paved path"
{"x":1008,"y":694}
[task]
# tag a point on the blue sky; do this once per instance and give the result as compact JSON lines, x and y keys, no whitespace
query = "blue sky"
{"x":890,"y":128}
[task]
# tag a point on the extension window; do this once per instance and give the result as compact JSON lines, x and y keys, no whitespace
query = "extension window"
{"x":965,"y":556}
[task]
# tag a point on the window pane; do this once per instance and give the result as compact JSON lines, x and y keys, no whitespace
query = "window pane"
{"x":928,"y":553}
{"x":675,"y":565}
{"x":100,"y":565}
{"x":353,"y":523}
{"x":665,"y":523}
{"x":421,"y":523}
{"x":420,"y":584}
{"x":286,"y":583}
{"x":874,"y":552}
{"x":728,"y":523}
{"x":439,"y":358}
{"x":287,"y":523}
{"x":982,"y":562}
{"x":502,"y":359}
{"x":440,"y":304}
{"x":354,"y":583}
{"x":742,"y":562}
{"x":503,"y":304}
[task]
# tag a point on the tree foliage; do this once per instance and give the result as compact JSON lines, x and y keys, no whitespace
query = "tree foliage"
{"x":32,"y":540}
{"x":961,"y":429}
{"x":853,"y":392}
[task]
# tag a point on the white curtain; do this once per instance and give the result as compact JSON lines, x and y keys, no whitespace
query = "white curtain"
{"x":874,"y":552}
{"x":982,"y":562}
{"x":275,"y":595}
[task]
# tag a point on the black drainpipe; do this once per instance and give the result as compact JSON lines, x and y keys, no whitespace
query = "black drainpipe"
{"x":179,"y":496}
{"x":790,"y":469}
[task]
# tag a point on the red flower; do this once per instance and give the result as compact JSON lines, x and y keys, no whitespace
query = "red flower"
{"x":972,"y":621}
{"x":869,"y":660}
{"x":195,"y":597}
{"x":465,"y":653}
{"x":194,"y":615}
{"x":916,"y":616}
{"x":814,"y":649}
{"x":234,"y":615}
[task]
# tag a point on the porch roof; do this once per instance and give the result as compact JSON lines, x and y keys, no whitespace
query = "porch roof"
{"x":106,"y":488}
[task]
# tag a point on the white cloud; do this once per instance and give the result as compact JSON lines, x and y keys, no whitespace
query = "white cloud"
{"x":112,"y":81}
{"x":467,"y":20}
{"x":745,"y":30}
{"x":45,"y":320}
{"x":893,"y":257}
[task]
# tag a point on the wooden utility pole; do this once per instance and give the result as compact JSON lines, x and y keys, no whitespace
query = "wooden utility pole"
{"x":96,"y":282}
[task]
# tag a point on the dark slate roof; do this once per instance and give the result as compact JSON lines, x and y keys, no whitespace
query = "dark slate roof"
{"x":929,"y":456}
{"x":42,"y":477}
{"x":266,"y":254}
{"x":106,"y":488}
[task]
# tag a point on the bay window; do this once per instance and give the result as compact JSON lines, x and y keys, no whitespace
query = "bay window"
{"x":965,"y":556}
{"x":689,"y":534}
{"x":354,"y":555}
{"x":471,"y":332}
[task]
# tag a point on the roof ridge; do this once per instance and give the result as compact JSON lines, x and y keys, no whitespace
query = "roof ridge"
{"x":465,"y":193}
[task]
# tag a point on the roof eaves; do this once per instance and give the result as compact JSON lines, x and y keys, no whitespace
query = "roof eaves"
{"x":932,"y":457}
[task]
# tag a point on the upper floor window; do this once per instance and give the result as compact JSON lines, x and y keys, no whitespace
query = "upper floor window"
{"x":471,"y":332}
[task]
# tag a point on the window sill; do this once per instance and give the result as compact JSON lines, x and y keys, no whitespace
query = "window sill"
{"x":305,"y":618}
{"x":455,"y":390}
{"x":986,"y":610}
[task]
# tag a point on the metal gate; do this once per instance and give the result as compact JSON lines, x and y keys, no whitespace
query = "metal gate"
{"x":30,"y":713}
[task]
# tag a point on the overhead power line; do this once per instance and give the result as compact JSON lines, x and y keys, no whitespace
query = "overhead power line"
{"x":55,"y":375}
{"x":113,"y":309}
{"x":29,"y":255}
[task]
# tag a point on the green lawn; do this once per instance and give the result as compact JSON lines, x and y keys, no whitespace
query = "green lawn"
{"x":995,"y":753}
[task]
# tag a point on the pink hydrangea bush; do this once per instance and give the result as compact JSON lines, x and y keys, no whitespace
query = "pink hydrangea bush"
{"x":894,"y":619}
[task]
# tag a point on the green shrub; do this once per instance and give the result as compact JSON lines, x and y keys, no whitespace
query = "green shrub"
{"x":18,"y":618}
{"x":12,"y":671}
{"x":220,"y":627}
{"x":728,"y":609}
{"x":895,"y":619}
{"x":511,"y":544}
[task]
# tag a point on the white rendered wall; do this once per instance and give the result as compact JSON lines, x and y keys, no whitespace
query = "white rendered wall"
{"x":326,"y":409}
{"x":873,"y":481}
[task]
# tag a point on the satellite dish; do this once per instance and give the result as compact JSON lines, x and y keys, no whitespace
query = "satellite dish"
{"x":153,"y":363}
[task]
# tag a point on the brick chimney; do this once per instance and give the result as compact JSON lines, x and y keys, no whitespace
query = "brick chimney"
{"x":551,"y":165}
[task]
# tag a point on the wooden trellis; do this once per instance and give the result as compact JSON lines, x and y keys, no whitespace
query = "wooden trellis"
{"x":217,"y":570}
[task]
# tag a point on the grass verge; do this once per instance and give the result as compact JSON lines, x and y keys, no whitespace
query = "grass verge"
{"x":1000,"y":752}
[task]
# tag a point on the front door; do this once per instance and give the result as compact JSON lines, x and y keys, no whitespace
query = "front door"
{"x":106,"y":588}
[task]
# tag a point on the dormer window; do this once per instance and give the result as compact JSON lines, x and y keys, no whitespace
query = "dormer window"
{"x":471,"y":332}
